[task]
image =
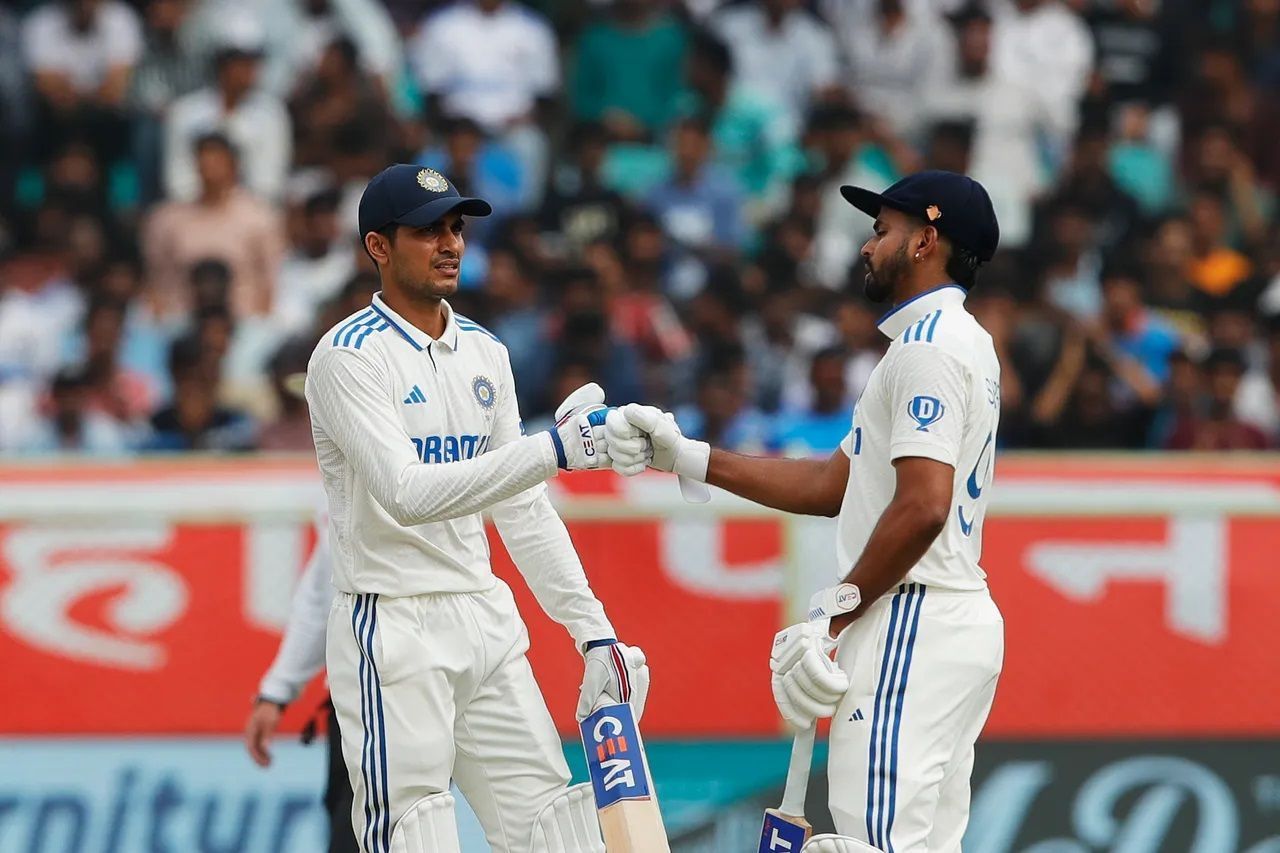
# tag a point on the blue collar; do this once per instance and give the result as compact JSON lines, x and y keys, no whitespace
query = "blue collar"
{"x":903,"y":314}
{"x":411,"y":333}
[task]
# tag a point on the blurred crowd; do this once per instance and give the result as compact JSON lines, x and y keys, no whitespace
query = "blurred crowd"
{"x":179,"y":178}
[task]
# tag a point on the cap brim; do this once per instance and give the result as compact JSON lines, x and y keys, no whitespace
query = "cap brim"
{"x":865,"y":200}
{"x":436,"y":209}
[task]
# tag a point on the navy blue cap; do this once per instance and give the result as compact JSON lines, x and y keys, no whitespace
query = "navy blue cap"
{"x":413,"y":196}
{"x":957,"y":205}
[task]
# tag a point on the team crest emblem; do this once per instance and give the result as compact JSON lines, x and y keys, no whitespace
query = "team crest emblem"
{"x":484,"y":391}
{"x":433,"y":181}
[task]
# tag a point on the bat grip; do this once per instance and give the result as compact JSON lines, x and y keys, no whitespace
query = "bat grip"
{"x":798,"y":770}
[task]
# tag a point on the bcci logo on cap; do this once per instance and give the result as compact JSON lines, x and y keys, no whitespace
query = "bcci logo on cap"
{"x":614,"y":762}
{"x":432,"y":181}
{"x":925,"y":411}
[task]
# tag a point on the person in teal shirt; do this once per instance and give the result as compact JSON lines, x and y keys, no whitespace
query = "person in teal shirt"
{"x":626,"y":70}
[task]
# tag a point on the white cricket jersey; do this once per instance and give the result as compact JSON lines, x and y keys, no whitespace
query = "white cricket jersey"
{"x":935,"y":394}
{"x":414,"y":437}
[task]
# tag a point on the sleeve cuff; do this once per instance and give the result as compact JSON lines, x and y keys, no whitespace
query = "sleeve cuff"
{"x":922,"y":449}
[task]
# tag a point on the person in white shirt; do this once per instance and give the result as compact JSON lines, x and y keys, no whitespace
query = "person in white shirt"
{"x":255,"y":120}
{"x":781,"y":51}
{"x":918,"y":640}
{"x":1046,"y":42}
{"x":417,"y":431}
{"x":496,"y":63}
{"x":80,"y":54}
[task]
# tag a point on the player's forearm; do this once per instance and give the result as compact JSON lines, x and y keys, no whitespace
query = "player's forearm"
{"x":425,"y":493}
{"x":785,"y":484}
{"x":539,"y":544}
{"x":902,"y":536}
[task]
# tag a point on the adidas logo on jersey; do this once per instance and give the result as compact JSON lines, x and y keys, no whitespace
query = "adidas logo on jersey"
{"x":415,"y":396}
{"x":856,"y":715}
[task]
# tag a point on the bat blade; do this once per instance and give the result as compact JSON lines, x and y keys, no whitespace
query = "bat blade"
{"x":630,"y":821}
{"x":783,"y":833}
{"x":785,"y":830}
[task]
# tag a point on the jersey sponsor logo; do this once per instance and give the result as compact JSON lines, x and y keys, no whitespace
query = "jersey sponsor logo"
{"x":614,"y":761}
{"x":433,"y":449}
{"x":415,"y":396}
{"x":482,"y":388}
{"x":925,"y":411}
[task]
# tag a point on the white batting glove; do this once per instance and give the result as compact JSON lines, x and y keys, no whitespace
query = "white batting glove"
{"x":670,"y":450}
{"x":579,"y":436}
{"x":629,"y":448}
{"x":807,"y":683}
{"x":614,"y":673}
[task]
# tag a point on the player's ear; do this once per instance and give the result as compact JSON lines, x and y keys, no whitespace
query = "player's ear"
{"x":377,"y":247}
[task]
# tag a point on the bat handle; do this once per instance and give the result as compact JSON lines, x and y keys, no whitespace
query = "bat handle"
{"x":793,"y":795}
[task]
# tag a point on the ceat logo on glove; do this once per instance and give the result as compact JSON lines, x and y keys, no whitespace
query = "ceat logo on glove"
{"x":848,"y":597}
{"x":612,"y":745}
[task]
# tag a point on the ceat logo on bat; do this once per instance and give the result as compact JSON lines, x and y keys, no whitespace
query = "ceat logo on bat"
{"x":614,"y":760}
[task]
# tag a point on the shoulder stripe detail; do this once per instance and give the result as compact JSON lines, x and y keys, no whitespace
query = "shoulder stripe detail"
{"x":381,"y":327}
{"x":922,"y":328}
{"x":351,"y":324}
{"x":469,"y":325}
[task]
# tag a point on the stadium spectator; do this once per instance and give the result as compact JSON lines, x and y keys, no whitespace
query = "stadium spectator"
{"x":723,"y":412}
{"x":124,"y":395}
{"x":249,"y":116}
{"x":320,"y":261}
{"x":1045,"y":41}
{"x":700,"y":205}
{"x":195,"y":420}
{"x":520,"y":321}
{"x":896,"y":57}
{"x":1073,"y":259}
{"x":1257,"y":400}
{"x":164,"y":73}
{"x":80,"y":54}
{"x":1008,"y":114}
{"x":290,"y":429}
{"x":1136,"y":48}
{"x":1216,"y":426}
{"x":1076,"y":409}
{"x":818,"y":429}
{"x":621,"y":75}
{"x":1132,"y":328}
{"x":1139,"y":167}
{"x":70,"y":425}
{"x":495,"y":62}
{"x":1216,"y":267}
{"x":334,"y":92}
{"x":580,"y":209}
{"x":781,"y":343}
{"x":226,"y":222}
{"x":749,"y":133}
{"x":781,"y":50}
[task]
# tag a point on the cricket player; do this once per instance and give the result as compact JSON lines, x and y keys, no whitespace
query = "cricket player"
{"x":918,"y":641}
{"x":413,"y":409}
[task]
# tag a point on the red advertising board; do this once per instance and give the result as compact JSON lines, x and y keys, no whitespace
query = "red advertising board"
{"x":1138,"y":596}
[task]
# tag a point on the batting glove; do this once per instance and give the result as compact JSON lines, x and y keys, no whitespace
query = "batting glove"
{"x":669,"y":449}
{"x":807,"y":684}
{"x":629,"y":448}
{"x":614,"y":673}
{"x":579,"y":436}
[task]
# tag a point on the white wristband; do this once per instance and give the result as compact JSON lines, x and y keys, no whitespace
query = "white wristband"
{"x":692,"y":460}
{"x":833,"y":601}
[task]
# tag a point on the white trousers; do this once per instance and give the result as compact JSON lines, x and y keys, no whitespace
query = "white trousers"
{"x":430,"y":688}
{"x":922,"y":665}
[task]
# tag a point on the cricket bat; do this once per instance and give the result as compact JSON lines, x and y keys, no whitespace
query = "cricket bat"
{"x":628,"y":807}
{"x":785,"y":829}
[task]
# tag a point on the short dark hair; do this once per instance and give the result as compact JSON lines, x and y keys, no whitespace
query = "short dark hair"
{"x":215,"y":139}
{"x":711,"y":49}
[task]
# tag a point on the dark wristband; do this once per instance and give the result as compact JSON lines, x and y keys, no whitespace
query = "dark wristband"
{"x":596,"y":644}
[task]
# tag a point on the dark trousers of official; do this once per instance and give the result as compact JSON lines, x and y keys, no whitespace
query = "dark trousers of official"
{"x":338,"y":795}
